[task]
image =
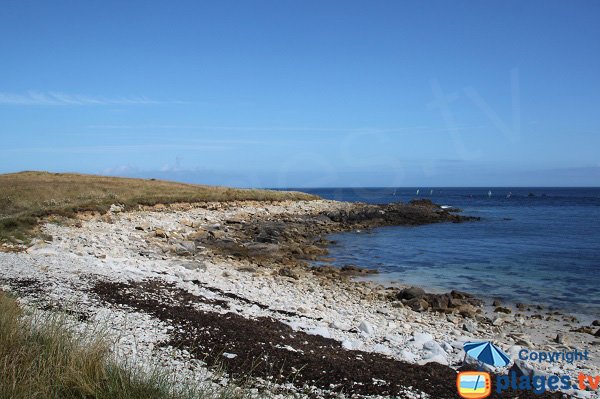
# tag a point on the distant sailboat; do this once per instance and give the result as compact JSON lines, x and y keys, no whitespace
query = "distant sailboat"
{"x":508,"y":195}
{"x":431,"y":192}
{"x":394,"y":193}
{"x":490,"y":194}
{"x":418,"y":191}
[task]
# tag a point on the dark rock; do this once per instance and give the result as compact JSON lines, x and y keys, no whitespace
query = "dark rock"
{"x":419,"y":212}
{"x":351,"y":269}
{"x":496,"y":302}
{"x":521,"y":306}
{"x":424,"y":202}
{"x":501,"y":309}
{"x":460,"y":294}
{"x":411,"y":293}
{"x":439,"y":302}
{"x":259,"y":248}
{"x":247,"y":269}
{"x":287,"y":272}
{"x":271,"y":232}
{"x":584,"y":330}
{"x":596,"y":323}
{"x":467,"y":310}
{"x":325,"y":269}
{"x":454,"y":302}
{"x":417,"y":304}
{"x":597,"y":333}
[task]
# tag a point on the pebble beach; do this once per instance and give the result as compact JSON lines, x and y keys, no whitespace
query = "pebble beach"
{"x":188,"y":287}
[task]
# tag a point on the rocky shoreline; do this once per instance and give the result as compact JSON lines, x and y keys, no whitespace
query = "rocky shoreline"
{"x":233,"y":285}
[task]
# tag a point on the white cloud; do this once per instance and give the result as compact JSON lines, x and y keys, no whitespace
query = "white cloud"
{"x":251,"y":128}
{"x":317,"y":129}
{"x":135,"y":148}
{"x":58,"y":98}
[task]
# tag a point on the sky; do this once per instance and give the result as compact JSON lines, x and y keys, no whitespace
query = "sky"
{"x":304,"y":93}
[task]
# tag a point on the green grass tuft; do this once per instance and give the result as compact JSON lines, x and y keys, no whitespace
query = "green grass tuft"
{"x":44,"y":358}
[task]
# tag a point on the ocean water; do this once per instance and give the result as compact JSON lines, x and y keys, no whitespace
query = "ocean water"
{"x":538,"y":245}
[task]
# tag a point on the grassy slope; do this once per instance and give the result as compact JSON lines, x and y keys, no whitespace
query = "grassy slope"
{"x":44,"y":358}
{"x":27,"y":196}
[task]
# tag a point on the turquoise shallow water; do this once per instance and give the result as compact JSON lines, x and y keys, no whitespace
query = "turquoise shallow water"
{"x":540,"y":245}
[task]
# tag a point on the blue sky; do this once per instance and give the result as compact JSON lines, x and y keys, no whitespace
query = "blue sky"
{"x":304,"y":93}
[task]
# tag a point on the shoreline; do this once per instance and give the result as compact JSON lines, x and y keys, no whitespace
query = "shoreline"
{"x":244,"y":262}
{"x":513,"y":305}
{"x":406,"y":278}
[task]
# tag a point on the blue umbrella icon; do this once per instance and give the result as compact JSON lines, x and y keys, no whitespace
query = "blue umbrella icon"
{"x":487,"y":353}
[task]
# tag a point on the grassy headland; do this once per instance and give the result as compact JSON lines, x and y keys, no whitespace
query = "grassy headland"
{"x":26,"y":197}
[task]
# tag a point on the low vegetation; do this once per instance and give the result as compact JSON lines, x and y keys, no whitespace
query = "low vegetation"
{"x":26,"y":197}
{"x":42,"y":357}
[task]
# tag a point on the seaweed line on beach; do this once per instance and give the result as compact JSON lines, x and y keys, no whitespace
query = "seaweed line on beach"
{"x":272,"y":350}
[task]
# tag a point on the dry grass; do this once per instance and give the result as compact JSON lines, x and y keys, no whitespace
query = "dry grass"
{"x":27,"y":196}
{"x":43,"y":357}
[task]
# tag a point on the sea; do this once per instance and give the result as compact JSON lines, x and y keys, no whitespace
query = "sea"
{"x":538,"y":245}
